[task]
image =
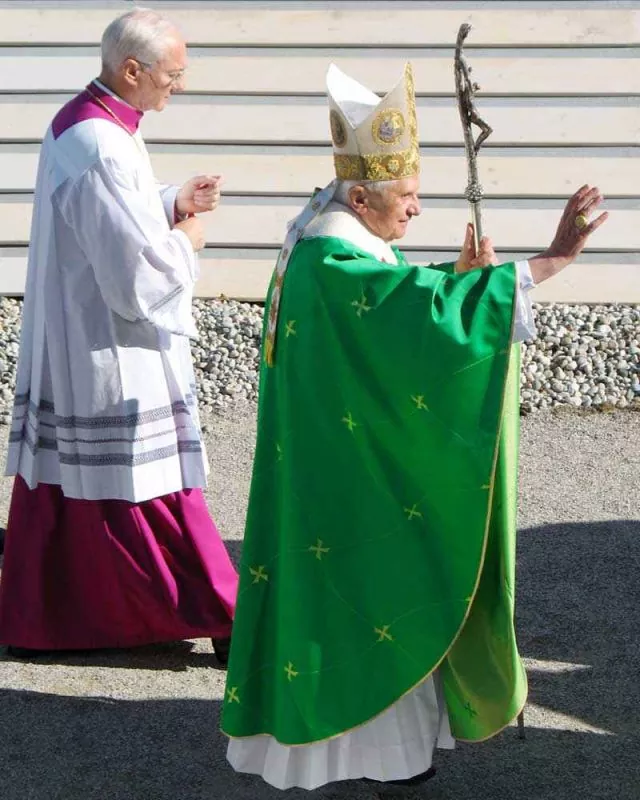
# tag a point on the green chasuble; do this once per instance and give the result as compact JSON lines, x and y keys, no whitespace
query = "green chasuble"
{"x":380,"y":534}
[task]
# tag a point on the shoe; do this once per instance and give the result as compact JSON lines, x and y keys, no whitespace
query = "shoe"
{"x":417,"y":780}
{"x":26,"y":653}
{"x":221,"y":648}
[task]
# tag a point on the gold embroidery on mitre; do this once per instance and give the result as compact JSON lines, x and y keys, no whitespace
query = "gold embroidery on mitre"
{"x":402,"y":164}
{"x":384,"y":146}
{"x":388,"y":126}
{"x":411,"y":104}
{"x":338,"y":130}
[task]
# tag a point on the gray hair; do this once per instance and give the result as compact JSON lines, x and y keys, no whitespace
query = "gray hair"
{"x":141,"y":33}
{"x":375,"y":187}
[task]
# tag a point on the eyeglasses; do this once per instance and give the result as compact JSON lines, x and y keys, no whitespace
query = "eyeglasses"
{"x":175,"y":76}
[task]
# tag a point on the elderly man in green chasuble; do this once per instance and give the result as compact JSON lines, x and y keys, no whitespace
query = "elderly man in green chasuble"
{"x":375,"y":610}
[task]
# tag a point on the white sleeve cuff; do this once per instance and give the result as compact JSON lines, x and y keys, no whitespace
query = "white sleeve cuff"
{"x":169,"y":194}
{"x":524,"y":326}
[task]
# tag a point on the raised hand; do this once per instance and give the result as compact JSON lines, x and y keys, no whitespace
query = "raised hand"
{"x":574,"y":228}
{"x":573,"y":232}
{"x":198,"y":195}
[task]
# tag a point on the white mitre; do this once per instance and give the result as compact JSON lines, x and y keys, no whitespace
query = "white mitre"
{"x":373,"y":139}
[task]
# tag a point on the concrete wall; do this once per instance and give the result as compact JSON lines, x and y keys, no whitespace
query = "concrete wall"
{"x":561,"y":88}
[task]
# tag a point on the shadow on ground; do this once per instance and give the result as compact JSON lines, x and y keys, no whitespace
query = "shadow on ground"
{"x":579,"y":604}
{"x":170,"y":656}
{"x":578,"y":618}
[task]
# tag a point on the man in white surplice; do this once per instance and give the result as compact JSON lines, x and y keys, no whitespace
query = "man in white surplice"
{"x":109,"y":541}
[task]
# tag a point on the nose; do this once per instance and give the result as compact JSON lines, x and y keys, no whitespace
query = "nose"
{"x":415,"y":209}
{"x":180,"y":84}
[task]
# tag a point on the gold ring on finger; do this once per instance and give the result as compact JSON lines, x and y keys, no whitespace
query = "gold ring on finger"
{"x":581,"y":222}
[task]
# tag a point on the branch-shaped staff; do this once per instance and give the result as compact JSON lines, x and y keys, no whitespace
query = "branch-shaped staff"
{"x":466,"y":91}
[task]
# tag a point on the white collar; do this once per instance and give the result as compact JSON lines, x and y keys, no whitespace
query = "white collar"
{"x":112,"y":93}
{"x":340,"y":222}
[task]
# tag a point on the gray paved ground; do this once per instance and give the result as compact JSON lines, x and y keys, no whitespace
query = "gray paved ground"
{"x":142,"y":725}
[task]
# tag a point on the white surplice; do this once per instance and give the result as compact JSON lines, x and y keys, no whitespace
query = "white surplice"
{"x":399,"y":743}
{"x":105,"y":399}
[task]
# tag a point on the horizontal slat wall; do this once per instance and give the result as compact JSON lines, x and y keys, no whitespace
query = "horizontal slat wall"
{"x":230,"y":271}
{"x":560,"y":86}
{"x":287,"y":70}
{"x":371,"y":22}
{"x":280,"y":120}
{"x":268,"y":169}
{"x":516,"y":224}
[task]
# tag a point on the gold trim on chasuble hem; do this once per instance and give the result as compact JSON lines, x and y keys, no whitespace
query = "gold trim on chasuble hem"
{"x":491,"y":493}
{"x":470,"y":599}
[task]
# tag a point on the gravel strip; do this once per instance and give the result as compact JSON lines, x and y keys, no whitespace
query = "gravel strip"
{"x":584,"y":356}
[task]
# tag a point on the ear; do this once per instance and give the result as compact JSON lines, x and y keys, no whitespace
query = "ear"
{"x":358,"y":200}
{"x":131,"y":71}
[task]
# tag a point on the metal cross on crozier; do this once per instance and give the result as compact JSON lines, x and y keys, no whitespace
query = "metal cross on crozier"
{"x":466,"y":90}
